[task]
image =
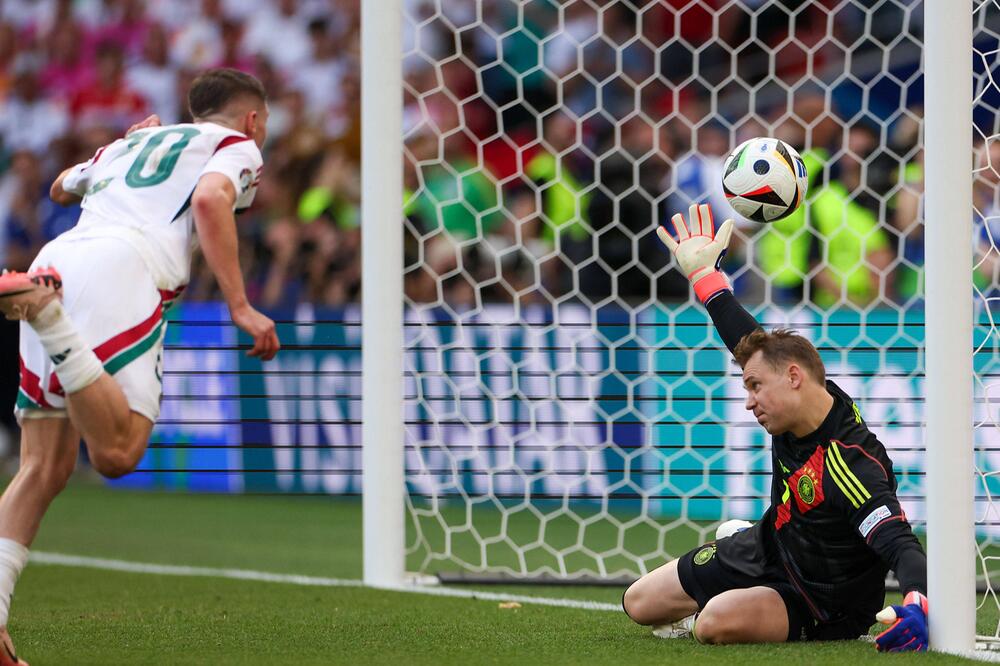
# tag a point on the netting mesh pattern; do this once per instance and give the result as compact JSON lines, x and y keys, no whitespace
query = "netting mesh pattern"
{"x":986,"y":220}
{"x":570,"y":410}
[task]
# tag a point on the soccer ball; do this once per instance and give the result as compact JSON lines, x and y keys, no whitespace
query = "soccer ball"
{"x":764,"y":179}
{"x":731,"y":527}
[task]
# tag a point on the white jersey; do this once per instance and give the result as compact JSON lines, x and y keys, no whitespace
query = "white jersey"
{"x":139,"y":189}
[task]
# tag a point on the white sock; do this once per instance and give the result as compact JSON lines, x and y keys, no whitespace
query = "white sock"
{"x":76,"y":364}
{"x":13,"y":557}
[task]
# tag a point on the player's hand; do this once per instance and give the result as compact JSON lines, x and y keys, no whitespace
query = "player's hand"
{"x":149,"y":121}
{"x":908,"y":626}
{"x":699,"y":249}
{"x":260,"y":328}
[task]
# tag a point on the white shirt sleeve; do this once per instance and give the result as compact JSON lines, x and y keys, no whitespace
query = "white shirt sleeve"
{"x":78,"y":180}
{"x":242,"y":163}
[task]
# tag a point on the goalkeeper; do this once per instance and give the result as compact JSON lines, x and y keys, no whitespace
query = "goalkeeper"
{"x":813,"y":567}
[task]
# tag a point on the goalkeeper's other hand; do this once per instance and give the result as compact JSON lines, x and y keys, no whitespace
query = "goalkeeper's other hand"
{"x":699,"y":249}
{"x":908,"y":630}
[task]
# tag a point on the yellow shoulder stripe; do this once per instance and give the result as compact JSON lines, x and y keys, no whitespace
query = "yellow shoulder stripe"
{"x":845,"y":479}
{"x":857,"y":482}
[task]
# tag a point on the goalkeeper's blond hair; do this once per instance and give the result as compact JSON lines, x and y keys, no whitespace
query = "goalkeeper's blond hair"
{"x":781,"y":346}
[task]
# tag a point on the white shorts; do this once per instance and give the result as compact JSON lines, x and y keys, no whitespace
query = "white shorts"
{"x":110,"y":295}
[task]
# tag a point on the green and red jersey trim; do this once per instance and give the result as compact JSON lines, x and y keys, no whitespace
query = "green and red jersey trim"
{"x":114,"y":354}
{"x":30,"y":394}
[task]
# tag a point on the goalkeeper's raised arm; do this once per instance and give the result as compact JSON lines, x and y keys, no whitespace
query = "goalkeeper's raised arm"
{"x":699,"y":250}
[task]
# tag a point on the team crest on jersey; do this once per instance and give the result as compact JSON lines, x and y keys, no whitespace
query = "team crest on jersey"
{"x":807,"y":482}
{"x":246,"y":179}
{"x":704,"y":555}
{"x":807,"y":489}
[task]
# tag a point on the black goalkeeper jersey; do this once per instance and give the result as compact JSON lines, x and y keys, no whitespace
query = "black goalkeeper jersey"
{"x":834,"y":527}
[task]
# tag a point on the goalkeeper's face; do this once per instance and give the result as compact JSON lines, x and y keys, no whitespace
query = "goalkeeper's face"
{"x":772,"y":394}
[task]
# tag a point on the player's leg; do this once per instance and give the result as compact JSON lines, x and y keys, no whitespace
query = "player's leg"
{"x":116,"y":436}
{"x":111,"y":322}
{"x":658,"y":597}
{"x":48,"y":455}
{"x":751,"y":615}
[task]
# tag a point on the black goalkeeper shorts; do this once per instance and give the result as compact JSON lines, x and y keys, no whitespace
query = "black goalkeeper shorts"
{"x":703,"y":576}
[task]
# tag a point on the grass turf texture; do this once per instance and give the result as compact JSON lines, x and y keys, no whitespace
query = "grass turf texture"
{"x":81,"y":616}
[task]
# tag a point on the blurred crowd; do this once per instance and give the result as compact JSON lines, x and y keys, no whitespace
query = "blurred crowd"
{"x":77,"y":73}
{"x":544,"y":141}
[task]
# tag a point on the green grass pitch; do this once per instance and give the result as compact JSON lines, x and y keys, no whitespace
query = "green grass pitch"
{"x":68,"y":615}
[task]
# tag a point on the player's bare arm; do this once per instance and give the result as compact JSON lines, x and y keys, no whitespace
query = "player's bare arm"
{"x":61,"y":196}
{"x":212,"y":203}
{"x":64,"y":198}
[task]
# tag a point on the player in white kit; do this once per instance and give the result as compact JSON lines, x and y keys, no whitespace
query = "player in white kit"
{"x":92,"y":305}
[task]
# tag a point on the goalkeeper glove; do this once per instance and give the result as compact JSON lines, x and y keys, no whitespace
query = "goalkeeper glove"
{"x":908,"y":630}
{"x":700,"y":250}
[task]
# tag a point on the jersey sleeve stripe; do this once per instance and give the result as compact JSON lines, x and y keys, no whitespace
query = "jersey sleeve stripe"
{"x":230,"y":140}
{"x":97,"y":155}
{"x":838,"y":477}
{"x":847,"y":469}
{"x":866,"y":455}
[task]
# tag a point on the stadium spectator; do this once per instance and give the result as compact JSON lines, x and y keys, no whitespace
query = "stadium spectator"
{"x":625,"y":219}
{"x":835,"y":228}
{"x":907,"y":215}
{"x":855,"y":248}
{"x":67,"y":66}
{"x":320,"y":79}
{"x":20,"y":203}
{"x":8,"y":53}
{"x":332,"y":231}
{"x":198,"y":43}
{"x":124,"y":24}
{"x":154,"y":77}
{"x":279,"y":33}
{"x":107,"y":100}
{"x":29,"y":121}
{"x":280,"y":285}
{"x":233,"y":55}
{"x":986,"y":201}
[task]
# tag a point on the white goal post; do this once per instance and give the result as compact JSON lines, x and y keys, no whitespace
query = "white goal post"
{"x":521,"y":423}
{"x":382,"y":293}
{"x":951,"y":539}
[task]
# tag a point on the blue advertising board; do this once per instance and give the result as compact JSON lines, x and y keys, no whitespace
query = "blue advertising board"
{"x":642,"y":405}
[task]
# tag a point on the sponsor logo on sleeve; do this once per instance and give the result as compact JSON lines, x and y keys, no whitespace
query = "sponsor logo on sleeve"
{"x":873,"y":519}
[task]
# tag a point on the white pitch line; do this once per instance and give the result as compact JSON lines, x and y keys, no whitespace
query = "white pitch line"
{"x":61,"y":559}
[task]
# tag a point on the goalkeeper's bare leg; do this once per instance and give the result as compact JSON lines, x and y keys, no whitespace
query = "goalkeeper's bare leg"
{"x":658,"y":597}
{"x":750,"y":615}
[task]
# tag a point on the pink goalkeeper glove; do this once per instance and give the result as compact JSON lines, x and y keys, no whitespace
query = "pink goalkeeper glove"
{"x":700,"y":250}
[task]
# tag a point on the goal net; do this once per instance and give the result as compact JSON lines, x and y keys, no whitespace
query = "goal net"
{"x":986,"y":258}
{"x":570,"y":412}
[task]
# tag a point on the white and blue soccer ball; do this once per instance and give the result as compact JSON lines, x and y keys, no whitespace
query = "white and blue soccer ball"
{"x":731,"y":527}
{"x":764,"y":179}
